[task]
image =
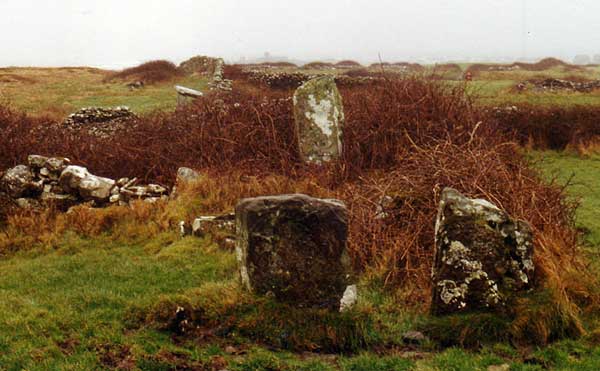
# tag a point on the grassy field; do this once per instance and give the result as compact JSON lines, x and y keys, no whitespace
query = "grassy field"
{"x":70,"y":309}
{"x":60,"y":91}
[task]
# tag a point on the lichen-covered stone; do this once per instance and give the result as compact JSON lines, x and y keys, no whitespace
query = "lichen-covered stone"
{"x":319,"y":119}
{"x":89,"y":186}
{"x":20,"y":182}
{"x":36,"y":161}
{"x":294,"y":248}
{"x":482,"y":255}
{"x":187,"y":175}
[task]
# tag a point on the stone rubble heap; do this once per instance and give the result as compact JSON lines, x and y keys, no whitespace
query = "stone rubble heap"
{"x":219,"y":82}
{"x":558,"y":84}
{"x":53,"y":181}
{"x":102,"y":122}
{"x":292,"y":80}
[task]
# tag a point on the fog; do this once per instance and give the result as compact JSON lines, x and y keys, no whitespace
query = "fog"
{"x":113,"y":34}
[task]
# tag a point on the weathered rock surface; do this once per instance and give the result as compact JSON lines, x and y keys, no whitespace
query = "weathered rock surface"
{"x":349,"y":299}
{"x":482,"y":255}
{"x":319,"y":120}
{"x":89,"y":186}
{"x":220,"y":227}
{"x":187,"y":175}
{"x":294,"y":247}
{"x":20,"y":182}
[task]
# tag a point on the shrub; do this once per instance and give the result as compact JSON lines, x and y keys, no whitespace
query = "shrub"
{"x":148,"y":72}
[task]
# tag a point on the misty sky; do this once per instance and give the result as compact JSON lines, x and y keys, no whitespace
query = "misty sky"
{"x":120,"y":33}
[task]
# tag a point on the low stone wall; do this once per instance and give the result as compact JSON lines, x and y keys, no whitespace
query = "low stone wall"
{"x":53,"y":181}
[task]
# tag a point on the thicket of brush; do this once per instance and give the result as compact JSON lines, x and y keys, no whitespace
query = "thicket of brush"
{"x":556,"y":128}
{"x":148,"y":72}
{"x":406,"y":139}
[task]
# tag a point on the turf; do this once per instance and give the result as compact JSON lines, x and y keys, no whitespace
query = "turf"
{"x":60,"y":91}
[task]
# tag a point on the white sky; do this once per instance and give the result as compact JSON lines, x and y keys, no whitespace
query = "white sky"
{"x":119,"y":33}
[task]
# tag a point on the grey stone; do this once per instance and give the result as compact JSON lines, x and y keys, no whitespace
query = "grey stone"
{"x":88,"y":186}
{"x":294,"y":248}
{"x":57,"y":164}
{"x":482,"y":256}
{"x":187,"y":175}
{"x":156,"y":189}
{"x":221,"y":228}
{"x":36,"y":161}
{"x":319,"y":120}
{"x":20,"y":182}
{"x":349,"y":299}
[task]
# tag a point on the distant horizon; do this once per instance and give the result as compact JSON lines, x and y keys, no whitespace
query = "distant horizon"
{"x":117,"y":34}
{"x":300,"y":62}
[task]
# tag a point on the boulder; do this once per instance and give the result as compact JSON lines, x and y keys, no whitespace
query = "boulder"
{"x":349,"y":299}
{"x":36,"y":161}
{"x":187,"y":175}
{"x":221,"y":228}
{"x":57,"y":164}
{"x":20,"y":182}
{"x":88,"y":186}
{"x":319,"y":120}
{"x":482,"y":256}
{"x":294,"y":248}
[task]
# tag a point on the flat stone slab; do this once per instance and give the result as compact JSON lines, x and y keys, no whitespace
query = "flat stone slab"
{"x":482,"y":255}
{"x":294,"y":247}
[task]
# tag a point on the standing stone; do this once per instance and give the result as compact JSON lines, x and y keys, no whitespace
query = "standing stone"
{"x":294,"y":247}
{"x":319,"y":119}
{"x":482,"y":255}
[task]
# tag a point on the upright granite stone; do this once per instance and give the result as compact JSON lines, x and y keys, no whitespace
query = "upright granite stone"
{"x":294,"y":248}
{"x":482,"y":255}
{"x":319,"y":119}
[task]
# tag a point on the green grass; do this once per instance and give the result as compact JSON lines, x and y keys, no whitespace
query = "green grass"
{"x":60,"y":91}
{"x":79,"y":296}
{"x":584,"y":177}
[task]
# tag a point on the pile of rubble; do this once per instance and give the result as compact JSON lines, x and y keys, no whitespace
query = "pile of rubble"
{"x":101,"y":122}
{"x":219,"y":82}
{"x":53,"y":181}
{"x":279,"y":80}
{"x":292,"y":80}
{"x":558,"y":84}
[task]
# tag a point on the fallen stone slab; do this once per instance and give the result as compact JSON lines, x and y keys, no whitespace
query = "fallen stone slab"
{"x":88,"y":186}
{"x":294,"y":248}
